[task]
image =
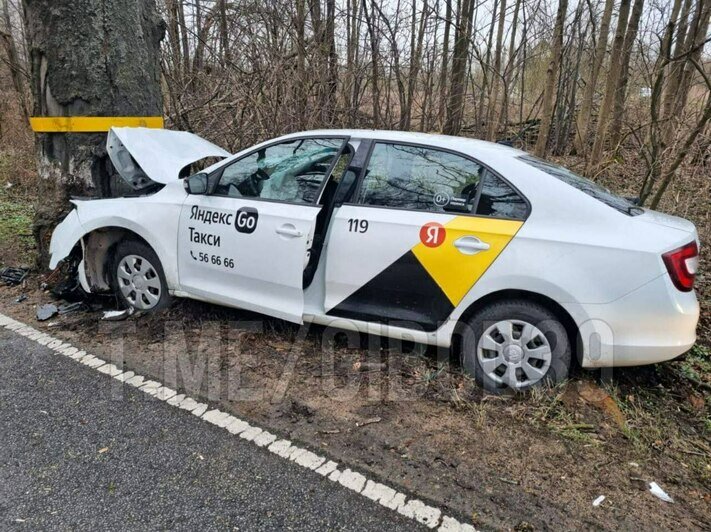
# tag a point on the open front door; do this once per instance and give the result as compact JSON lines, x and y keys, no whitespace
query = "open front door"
{"x":247,"y":242}
{"x":245,"y":253}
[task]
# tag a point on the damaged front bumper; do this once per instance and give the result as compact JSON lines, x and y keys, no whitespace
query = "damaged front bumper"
{"x":65,"y":236}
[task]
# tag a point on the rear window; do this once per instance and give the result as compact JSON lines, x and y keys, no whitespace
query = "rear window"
{"x":583,"y":184}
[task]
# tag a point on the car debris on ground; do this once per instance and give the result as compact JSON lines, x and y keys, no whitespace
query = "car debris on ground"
{"x":13,"y":276}
{"x":658,"y":492}
{"x":72,"y":307}
{"x":597,"y":502}
{"x":47,"y":311}
{"x":118,"y":315}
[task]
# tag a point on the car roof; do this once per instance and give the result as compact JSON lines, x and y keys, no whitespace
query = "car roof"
{"x":442,"y":141}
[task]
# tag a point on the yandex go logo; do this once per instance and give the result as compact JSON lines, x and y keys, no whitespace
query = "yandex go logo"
{"x":432,"y":234}
{"x":246,"y":220}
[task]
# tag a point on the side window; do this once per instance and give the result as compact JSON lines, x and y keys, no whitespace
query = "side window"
{"x":290,"y":171}
{"x":420,"y":178}
{"x":498,"y":199}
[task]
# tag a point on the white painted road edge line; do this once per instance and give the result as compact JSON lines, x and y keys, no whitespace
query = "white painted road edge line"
{"x":357,"y":482}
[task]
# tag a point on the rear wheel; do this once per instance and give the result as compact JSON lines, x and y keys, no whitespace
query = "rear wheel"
{"x":138,"y":277}
{"x":515,"y":345}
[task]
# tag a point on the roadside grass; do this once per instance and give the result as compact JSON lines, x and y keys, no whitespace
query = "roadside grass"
{"x":16,"y":216}
{"x":696,"y":366}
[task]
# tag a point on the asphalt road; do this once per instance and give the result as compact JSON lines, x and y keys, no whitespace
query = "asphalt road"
{"x":73,"y":456}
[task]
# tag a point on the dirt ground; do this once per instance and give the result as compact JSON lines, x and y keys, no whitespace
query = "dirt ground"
{"x":412,"y":419}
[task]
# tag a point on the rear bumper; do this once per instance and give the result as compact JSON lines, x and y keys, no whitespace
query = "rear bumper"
{"x":652,"y":324}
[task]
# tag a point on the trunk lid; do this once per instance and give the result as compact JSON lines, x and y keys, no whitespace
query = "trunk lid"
{"x":144,"y":156}
{"x":667,"y":220}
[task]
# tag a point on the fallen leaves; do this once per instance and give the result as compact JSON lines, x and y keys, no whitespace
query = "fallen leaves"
{"x":595,"y":396}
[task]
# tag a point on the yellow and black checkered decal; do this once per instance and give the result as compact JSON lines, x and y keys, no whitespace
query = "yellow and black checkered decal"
{"x":426,"y":283}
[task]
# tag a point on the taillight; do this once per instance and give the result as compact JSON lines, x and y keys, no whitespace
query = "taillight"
{"x":682,"y":264}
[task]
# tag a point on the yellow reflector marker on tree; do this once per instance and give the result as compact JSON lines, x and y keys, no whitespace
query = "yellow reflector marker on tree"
{"x":91,"y":124}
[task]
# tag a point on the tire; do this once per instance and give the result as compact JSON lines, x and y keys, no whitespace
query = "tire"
{"x":497,"y":334}
{"x":138,"y":277}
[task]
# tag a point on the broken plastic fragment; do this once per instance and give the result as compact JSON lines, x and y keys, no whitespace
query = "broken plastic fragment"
{"x":72,"y":307}
{"x":46,"y":311}
{"x":659,"y":492}
{"x":118,"y":315}
{"x":12,"y":276}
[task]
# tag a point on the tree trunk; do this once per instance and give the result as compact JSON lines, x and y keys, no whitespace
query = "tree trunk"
{"x":496,"y":75}
{"x":375,"y":59}
{"x":695,"y":46}
{"x":508,"y":71}
{"x":171,"y":7}
{"x":583,"y":121}
{"x":551,"y":76}
{"x":613,"y":76}
{"x":621,"y":92}
{"x":481,"y":116}
{"x":184,"y":38}
{"x":88,"y":58}
{"x":332,"y":59}
{"x":16,"y":71}
{"x":445,"y":62}
{"x":301,"y":81}
{"x":460,"y":56}
{"x":674,"y":76}
{"x":416,"y":43}
{"x":224,"y":37}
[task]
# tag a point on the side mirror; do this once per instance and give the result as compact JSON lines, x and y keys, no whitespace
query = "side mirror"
{"x":196,"y":184}
{"x":345,"y":188}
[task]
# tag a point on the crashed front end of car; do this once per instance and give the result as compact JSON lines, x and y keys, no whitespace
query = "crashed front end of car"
{"x":147,"y":160}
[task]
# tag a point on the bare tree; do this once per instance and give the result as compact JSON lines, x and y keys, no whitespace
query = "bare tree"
{"x":17,"y":72}
{"x":621,"y":90}
{"x":583,"y":121}
{"x":101,"y":61}
{"x":496,"y":74}
{"x":611,"y":86}
{"x":551,"y":76}
{"x":460,"y":59}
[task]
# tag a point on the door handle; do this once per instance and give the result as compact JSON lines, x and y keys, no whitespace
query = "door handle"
{"x":470,"y":245}
{"x":289,"y":230}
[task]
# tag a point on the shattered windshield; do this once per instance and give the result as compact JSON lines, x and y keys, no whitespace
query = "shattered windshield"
{"x":290,"y":171}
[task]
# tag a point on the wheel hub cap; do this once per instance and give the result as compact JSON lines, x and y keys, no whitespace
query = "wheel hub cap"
{"x":514,"y":353}
{"x":139,"y":282}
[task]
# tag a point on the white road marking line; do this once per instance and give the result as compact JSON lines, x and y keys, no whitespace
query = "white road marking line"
{"x":384,"y":495}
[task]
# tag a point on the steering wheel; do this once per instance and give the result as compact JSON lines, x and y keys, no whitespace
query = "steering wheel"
{"x":252,"y":186}
{"x":260,"y":175}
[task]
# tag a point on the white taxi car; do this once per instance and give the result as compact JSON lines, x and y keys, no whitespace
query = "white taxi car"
{"x":519,"y":263}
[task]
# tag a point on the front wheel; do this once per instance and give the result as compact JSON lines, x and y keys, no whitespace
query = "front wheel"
{"x":515,"y":345}
{"x":138,"y":277}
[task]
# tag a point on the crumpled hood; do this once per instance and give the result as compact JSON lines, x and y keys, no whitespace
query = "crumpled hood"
{"x":142,"y":155}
